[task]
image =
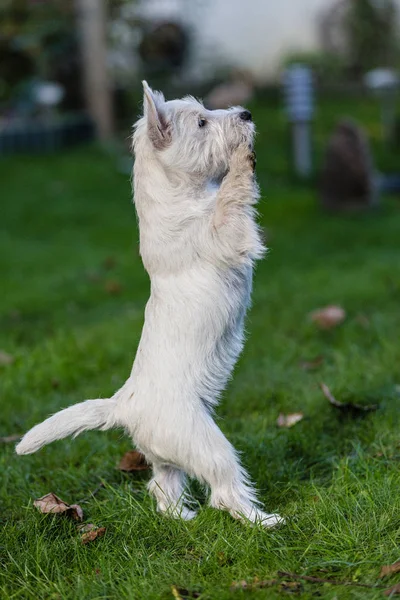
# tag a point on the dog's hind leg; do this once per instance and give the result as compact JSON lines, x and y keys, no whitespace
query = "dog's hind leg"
{"x":218,"y":466}
{"x":168,"y":487}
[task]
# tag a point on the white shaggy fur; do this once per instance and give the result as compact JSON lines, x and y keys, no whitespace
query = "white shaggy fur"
{"x":194,"y":191}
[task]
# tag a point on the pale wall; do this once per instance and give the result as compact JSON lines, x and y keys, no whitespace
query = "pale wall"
{"x":254,"y":34}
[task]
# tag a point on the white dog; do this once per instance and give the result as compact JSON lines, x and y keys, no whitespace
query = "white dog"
{"x":195,"y":191}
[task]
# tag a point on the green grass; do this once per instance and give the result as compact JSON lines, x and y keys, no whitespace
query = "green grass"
{"x":335,"y":478}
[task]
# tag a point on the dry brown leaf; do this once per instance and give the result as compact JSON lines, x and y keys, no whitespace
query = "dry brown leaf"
{"x":175,"y":592}
{"x":181,"y":593}
{"x":93,"y":276}
{"x":5,"y":359}
{"x":289,"y":420}
{"x":363,"y":321}
{"x":293,"y":587}
{"x":133,"y":461}
{"x":50,"y":503}
{"x":109,"y":263}
{"x":320,"y":580}
{"x":393,"y":591}
{"x":256,"y":583}
{"x":346,"y":407}
{"x":91,"y":533}
{"x":311,"y":365}
{"x":113,"y":287}
{"x":328,"y":317}
{"x":390,"y":569}
{"x":7,"y":439}
{"x":85,"y":527}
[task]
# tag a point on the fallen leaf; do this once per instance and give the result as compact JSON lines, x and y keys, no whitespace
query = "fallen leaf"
{"x":181,"y":593}
{"x":133,"y":461}
{"x":85,"y":527}
{"x":109,"y":262}
{"x":328,"y":317}
{"x":92,"y":534}
{"x":239,"y":585}
{"x":311,"y":365}
{"x":346,"y":407}
{"x":320,"y":580}
{"x":289,"y":420}
{"x":175,"y":592}
{"x":93,"y":276}
{"x":50,"y":503}
{"x":7,"y":439}
{"x":223,"y":560}
{"x":362,"y":320}
{"x":390,"y":569}
{"x":5,"y":359}
{"x":255,"y":584}
{"x":113,"y":287}
{"x":393,"y":591}
{"x":293,"y":587}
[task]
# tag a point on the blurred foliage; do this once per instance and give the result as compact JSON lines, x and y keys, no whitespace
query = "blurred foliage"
{"x":371,"y":28}
{"x":356,"y":36}
{"x":38,"y":38}
{"x":143,"y":46}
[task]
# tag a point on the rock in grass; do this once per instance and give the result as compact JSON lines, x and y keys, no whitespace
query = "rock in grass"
{"x":348,"y":181}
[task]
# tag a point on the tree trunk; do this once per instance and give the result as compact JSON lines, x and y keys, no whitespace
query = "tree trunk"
{"x":97,"y":88}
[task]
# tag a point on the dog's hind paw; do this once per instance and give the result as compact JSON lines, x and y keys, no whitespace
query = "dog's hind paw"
{"x":178,"y":512}
{"x":269,"y":521}
{"x":186,"y":514}
{"x":258,"y":517}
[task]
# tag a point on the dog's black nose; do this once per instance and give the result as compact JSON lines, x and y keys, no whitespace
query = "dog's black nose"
{"x":245,"y":115}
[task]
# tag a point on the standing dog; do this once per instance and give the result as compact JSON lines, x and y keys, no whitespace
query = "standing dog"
{"x":195,"y":191}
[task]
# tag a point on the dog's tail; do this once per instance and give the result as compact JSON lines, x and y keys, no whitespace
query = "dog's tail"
{"x":91,"y":414}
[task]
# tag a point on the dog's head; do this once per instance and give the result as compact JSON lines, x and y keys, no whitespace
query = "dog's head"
{"x":187,"y":138}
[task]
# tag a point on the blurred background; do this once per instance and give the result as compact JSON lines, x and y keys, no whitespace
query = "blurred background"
{"x":70,"y":70}
{"x":321,"y":78}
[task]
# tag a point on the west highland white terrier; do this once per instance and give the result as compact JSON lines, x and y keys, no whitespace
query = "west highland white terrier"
{"x":195,"y":194}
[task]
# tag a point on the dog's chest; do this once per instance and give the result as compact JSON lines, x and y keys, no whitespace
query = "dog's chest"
{"x":236,"y":291}
{"x":205,"y":302}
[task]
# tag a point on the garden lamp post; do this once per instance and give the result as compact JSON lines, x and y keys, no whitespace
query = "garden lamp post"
{"x":299,"y":104}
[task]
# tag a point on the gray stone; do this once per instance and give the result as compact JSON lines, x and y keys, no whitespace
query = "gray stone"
{"x":348,"y":181}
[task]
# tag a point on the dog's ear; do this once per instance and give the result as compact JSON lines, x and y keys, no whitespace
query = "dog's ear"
{"x":158,"y":128}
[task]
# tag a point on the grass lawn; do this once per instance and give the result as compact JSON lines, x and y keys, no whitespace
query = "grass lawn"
{"x":71,"y":312}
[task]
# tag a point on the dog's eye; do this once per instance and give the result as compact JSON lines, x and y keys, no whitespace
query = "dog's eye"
{"x":202,"y":122}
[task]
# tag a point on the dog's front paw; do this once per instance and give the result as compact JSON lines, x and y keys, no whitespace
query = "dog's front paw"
{"x":253,"y":160}
{"x":243,"y":160}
